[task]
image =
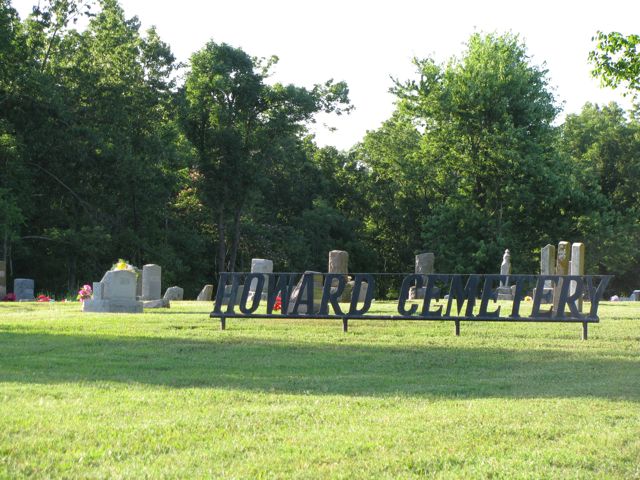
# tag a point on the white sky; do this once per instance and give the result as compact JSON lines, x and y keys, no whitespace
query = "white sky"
{"x":364,"y":43}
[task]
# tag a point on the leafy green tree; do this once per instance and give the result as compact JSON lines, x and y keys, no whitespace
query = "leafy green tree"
{"x":616,"y":60}
{"x":240,"y":126}
{"x":603,"y":149}
{"x":470,"y":153}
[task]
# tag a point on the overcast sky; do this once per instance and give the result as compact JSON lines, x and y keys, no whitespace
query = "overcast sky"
{"x":364,"y":43}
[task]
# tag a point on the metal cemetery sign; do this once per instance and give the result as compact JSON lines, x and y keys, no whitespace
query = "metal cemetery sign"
{"x":448,"y":297}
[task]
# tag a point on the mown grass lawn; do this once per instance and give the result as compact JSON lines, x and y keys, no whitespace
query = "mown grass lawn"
{"x":167,"y":394}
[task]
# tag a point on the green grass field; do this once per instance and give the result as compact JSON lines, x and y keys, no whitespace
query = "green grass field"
{"x":167,"y":394}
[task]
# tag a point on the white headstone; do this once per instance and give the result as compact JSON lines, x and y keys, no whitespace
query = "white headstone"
{"x":120,"y":284}
{"x":205,"y":294}
{"x":151,"y":282}
{"x":576,"y":267}
{"x":260,"y":265}
{"x":548,"y":262}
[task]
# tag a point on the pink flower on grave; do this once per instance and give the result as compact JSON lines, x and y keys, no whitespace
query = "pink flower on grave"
{"x":85,"y":293}
{"x":9,"y":297}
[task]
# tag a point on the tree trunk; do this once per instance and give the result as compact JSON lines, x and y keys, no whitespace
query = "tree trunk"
{"x":5,"y":248}
{"x":73,"y":267}
{"x":137,"y":255}
{"x":221,"y":243}
{"x":236,"y":239}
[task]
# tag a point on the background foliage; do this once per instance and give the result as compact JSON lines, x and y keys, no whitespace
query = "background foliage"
{"x":111,"y":149}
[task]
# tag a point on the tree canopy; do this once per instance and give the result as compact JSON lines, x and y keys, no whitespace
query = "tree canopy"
{"x":110,"y":148}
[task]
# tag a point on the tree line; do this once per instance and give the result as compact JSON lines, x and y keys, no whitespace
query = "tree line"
{"x":110,"y":148}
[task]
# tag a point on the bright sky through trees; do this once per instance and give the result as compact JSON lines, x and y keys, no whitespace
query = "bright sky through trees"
{"x":366,"y":43}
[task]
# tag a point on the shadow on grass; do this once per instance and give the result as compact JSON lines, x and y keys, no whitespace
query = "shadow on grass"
{"x":299,"y":368}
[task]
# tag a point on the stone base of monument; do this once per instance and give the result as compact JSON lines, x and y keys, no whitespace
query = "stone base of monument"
{"x":113,"y":305}
{"x":159,"y":303}
{"x":419,"y":293}
{"x":504,"y":293}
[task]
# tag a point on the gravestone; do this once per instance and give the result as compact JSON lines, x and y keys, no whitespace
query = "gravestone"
{"x":548,"y":263}
{"x":424,"y":266}
{"x":260,"y":265}
{"x":504,"y":291}
{"x":205,"y":294}
{"x":227,"y":294}
{"x":138,"y":273}
{"x":338,"y":262}
{"x":347,"y":293}
{"x":174,"y":293}
{"x":300,"y":291}
{"x":635,"y":296}
{"x":115,"y":293}
{"x":424,"y":263}
{"x":159,"y":303}
{"x":24,"y":289}
{"x":547,"y":267}
{"x":151,"y":282}
{"x":576,"y":268}
{"x":562,"y":268}
{"x":3,"y":280}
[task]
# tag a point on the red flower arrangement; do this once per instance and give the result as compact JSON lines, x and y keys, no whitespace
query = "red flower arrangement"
{"x":277,"y":306}
{"x":43,"y":298}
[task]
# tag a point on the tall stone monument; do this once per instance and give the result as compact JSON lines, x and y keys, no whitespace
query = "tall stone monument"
{"x":577,"y":267}
{"x":260,"y":265}
{"x":151,"y":282}
{"x":562,"y":268}
{"x":504,"y":291}
{"x":548,"y":263}
{"x":424,"y":263}
{"x":3,"y":279}
{"x":424,"y":266}
{"x":547,"y":267}
{"x":338,"y":263}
